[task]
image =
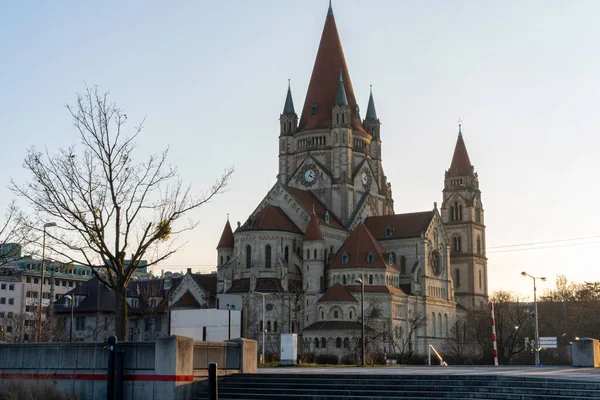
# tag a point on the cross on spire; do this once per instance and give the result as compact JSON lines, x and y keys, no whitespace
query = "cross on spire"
{"x":460,"y":126}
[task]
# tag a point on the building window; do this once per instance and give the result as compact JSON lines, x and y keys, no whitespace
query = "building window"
{"x":275,"y":327}
{"x":268,"y":256}
{"x":307,"y":254}
{"x":346,"y":343}
{"x":322,"y":314}
{"x":322,"y":284}
{"x":316,"y":343}
{"x":460,"y":212}
{"x":478,"y":214}
{"x":287,"y":254}
{"x":370,"y":258}
{"x":451,"y":213}
{"x":147,"y":324}
{"x":370,"y":279}
{"x":315,"y":108}
{"x":336,"y":314}
{"x":248,"y":256}
{"x":403,"y":265}
{"x":457,"y":243}
{"x":480,"y":280}
{"x":11,"y":287}
{"x":2,"y":300}
{"x":432,"y":324}
{"x":389,"y":231}
{"x":327,"y":216}
{"x":221,"y":263}
{"x":457,"y":273}
{"x":345,"y":258}
{"x":268,"y":326}
{"x":344,"y":279}
{"x":79,"y":323}
{"x":338,"y":343}
{"x":11,"y":301}
{"x":323,"y":343}
{"x":478,"y":245}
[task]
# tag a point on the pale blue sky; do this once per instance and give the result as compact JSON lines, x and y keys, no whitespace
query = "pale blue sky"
{"x":211,"y":77}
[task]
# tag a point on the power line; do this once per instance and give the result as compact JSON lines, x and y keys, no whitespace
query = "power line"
{"x":546,"y":242}
{"x":541,"y":248}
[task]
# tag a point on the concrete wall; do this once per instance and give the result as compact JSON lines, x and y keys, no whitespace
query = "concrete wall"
{"x":164,"y":369}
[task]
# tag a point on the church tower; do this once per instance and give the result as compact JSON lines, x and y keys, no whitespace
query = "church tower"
{"x":462,"y":214}
{"x":372,"y":126}
{"x":288,"y":122}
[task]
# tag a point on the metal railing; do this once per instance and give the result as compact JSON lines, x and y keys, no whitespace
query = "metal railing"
{"x":442,"y":362}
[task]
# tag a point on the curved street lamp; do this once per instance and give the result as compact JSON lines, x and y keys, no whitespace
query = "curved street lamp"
{"x":362,"y":305}
{"x":537,"y":330}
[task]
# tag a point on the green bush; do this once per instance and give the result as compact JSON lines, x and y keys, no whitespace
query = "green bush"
{"x":327,"y":359}
{"x":349,"y":359}
{"x":20,"y":390}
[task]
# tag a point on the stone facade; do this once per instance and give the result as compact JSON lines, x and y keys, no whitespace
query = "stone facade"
{"x":328,"y":226}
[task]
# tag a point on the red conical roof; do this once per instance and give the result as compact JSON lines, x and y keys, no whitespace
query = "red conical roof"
{"x":461,"y":164}
{"x":357,"y":247}
{"x":226,"y":237}
{"x":324,"y":81}
{"x":313,"y":231}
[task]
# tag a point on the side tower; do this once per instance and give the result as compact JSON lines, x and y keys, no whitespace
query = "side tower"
{"x":288,"y":122}
{"x":462,"y":214}
{"x":314,"y":266}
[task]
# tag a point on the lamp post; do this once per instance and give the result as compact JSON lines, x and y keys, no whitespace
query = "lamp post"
{"x":537,"y":330}
{"x":68,"y":297}
{"x":264,"y":323}
{"x":229,"y":307}
{"x":41,"y":297}
{"x":362,"y":306}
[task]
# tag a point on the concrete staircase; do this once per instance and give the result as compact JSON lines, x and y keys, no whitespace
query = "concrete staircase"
{"x":388,"y":387}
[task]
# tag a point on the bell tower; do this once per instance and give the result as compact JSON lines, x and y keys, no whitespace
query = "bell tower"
{"x":462,"y":214}
{"x":288,"y":122}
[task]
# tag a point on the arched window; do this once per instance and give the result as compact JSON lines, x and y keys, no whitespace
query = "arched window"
{"x":315,"y":108}
{"x":478,"y":245}
{"x":452,"y":213}
{"x":370,"y":279}
{"x":316,"y":343}
{"x":457,"y":280}
{"x":345,"y":258}
{"x":221,"y":260}
{"x":336,"y":314}
{"x":287,"y":254}
{"x":370,"y":257}
{"x":322,"y":314}
{"x":460,"y":212}
{"x":346,"y":343}
{"x":323,"y":343}
{"x":403,"y":265}
{"x":337,"y":118}
{"x":480,"y":280}
{"x":268,"y":326}
{"x":432,"y":324}
{"x":344,"y":279}
{"x":268,"y":256}
{"x":478,"y":214}
{"x":248,"y":256}
{"x":440,"y":324}
{"x":315,"y":254}
{"x":350,"y":314}
{"x":307,"y":254}
{"x":338,"y":343}
{"x":446,"y":324}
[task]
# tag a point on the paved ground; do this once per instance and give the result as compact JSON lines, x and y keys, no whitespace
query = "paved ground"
{"x":556,"y":372}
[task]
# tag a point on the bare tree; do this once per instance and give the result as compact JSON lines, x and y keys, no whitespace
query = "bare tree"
{"x":401,"y":343}
{"x":110,"y":205}
{"x":16,"y":234}
{"x":457,"y":345}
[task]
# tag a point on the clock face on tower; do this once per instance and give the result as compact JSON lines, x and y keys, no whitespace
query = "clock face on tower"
{"x":309,"y":175}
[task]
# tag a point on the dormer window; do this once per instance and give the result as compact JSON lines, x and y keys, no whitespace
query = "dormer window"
{"x":327,"y":216}
{"x":389,"y":231}
{"x":315,"y":108}
{"x":249,"y":222}
{"x":391,"y":260}
{"x":370,"y":258}
{"x":345,"y":258}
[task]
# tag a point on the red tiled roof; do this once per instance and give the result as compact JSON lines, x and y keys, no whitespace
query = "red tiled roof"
{"x":402,"y":226}
{"x":309,"y":201}
{"x":226,"y":237}
{"x":187,"y":300}
{"x":270,"y":218}
{"x":240,"y":286}
{"x":323,"y":84}
{"x":357,"y":246}
{"x":313,"y":231}
{"x":268,"y":285}
{"x":337,"y":293}
{"x":461,"y":164}
{"x":375,"y":289}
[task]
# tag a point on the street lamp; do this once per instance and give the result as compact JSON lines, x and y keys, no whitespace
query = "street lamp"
{"x":362,"y":305}
{"x":264,"y":323}
{"x":537,"y":330}
{"x":68,"y":297}
{"x":41,"y":297}
{"x":229,"y":308}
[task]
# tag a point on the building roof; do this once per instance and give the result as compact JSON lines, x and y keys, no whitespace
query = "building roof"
{"x":461,"y":164}
{"x":288,"y":108}
{"x":376,"y":289}
{"x":337,"y":292}
{"x":313,"y":230}
{"x":226,"y":237}
{"x":358,"y":247}
{"x":270,"y":218}
{"x":262,"y":285}
{"x":240,"y":286}
{"x":371,"y":113}
{"x":334,"y":326}
{"x":311,"y":202}
{"x":322,"y":88}
{"x":399,"y":226}
{"x":340,"y":94}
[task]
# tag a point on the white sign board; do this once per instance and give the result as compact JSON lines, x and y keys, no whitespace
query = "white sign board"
{"x":206,"y":324}
{"x":548,"y":342}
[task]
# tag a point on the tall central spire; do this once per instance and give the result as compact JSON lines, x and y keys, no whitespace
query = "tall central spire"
{"x":322,"y":89}
{"x":461,"y":164}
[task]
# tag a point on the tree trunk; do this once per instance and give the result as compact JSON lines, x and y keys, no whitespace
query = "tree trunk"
{"x":121,"y":317}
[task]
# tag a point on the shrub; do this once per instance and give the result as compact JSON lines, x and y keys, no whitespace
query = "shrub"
{"x":349,"y":359}
{"x":19,"y":390}
{"x":308,"y":358}
{"x":327,"y":359}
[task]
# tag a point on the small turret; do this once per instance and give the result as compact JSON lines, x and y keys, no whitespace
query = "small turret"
{"x":313,"y":254}
{"x":225,"y":246}
{"x":341,"y":109}
{"x":371,"y":122}
{"x":288,"y":119}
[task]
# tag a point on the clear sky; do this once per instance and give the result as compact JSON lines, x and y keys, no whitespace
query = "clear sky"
{"x":211,"y":77}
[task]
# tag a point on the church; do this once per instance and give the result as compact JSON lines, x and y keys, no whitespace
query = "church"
{"x":328,"y":228}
